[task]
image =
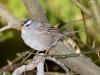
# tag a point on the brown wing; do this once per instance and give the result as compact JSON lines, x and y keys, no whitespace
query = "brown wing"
{"x":47,"y":29}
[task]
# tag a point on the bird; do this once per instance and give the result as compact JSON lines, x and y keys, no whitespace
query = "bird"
{"x":40,"y":35}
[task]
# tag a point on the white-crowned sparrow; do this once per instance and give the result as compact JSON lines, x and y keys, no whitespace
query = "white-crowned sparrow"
{"x":40,"y":35}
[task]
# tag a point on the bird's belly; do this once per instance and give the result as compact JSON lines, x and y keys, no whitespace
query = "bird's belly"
{"x":37,"y":43}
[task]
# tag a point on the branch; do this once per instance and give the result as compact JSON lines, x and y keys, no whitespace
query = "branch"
{"x":13,"y":22}
{"x":40,"y":68}
{"x":37,"y":62}
{"x":34,"y":9}
{"x":6,"y":27}
{"x":81,"y":7}
{"x":9,"y":26}
{"x":59,"y":63}
{"x":95,"y":10}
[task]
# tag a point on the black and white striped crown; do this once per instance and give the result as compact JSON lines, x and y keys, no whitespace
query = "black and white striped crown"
{"x":26,"y":22}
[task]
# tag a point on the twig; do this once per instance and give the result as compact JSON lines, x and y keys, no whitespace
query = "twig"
{"x":19,"y":57}
{"x":82,"y":7}
{"x":94,"y":7}
{"x":29,"y":54}
{"x":11,"y":19}
{"x":30,"y":66}
{"x":5,"y":28}
{"x":38,"y":62}
{"x":9,"y":26}
{"x":40,"y":68}
{"x":59,"y":63}
{"x":35,"y":10}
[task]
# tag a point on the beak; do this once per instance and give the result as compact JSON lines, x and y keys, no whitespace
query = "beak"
{"x":22,"y":27}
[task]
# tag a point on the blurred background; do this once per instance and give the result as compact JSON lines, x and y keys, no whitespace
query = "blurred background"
{"x":64,"y":14}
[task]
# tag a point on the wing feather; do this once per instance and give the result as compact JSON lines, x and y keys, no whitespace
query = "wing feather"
{"x":48,"y":29}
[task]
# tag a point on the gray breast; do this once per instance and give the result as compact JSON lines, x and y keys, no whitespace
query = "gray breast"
{"x":39,"y":42}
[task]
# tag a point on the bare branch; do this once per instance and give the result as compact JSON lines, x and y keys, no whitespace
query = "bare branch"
{"x":13,"y":22}
{"x":9,"y":26}
{"x":30,"y":66}
{"x":5,"y":28}
{"x":35,"y":10}
{"x":59,"y":63}
{"x":40,"y":68}
{"x":95,"y":10}
{"x":81,"y":7}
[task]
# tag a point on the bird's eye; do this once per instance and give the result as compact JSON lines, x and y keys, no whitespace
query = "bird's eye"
{"x":27,"y":25}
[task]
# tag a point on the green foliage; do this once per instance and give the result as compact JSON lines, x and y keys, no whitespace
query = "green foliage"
{"x":5,"y":36}
{"x":17,"y":8}
{"x":58,"y":9}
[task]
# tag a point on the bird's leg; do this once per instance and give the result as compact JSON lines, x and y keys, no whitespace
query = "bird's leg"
{"x":47,"y":51}
{"x":44,"y":53}
{"x":36,"y":54}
